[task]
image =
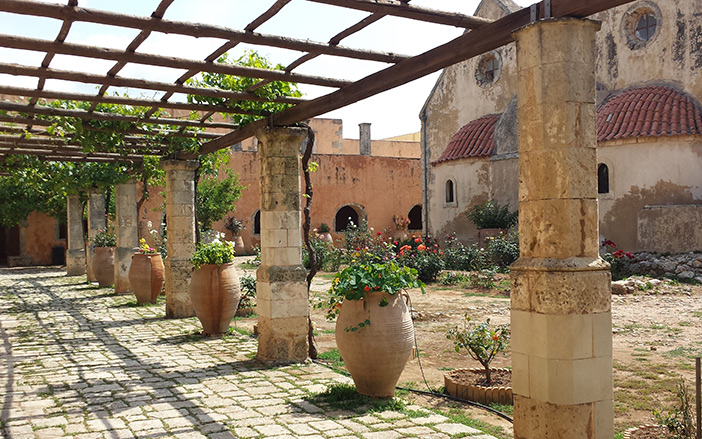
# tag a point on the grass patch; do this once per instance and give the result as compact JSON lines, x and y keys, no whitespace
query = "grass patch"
{"x":457,"y":416}
{"x":345,"y":397}
{"x":685,"y":323}
{"x":697,"y":314}
{"x":234,"y":330}
{"x":507,"y":409}
{"x":332,"y":357}
{"x":328,"y":276}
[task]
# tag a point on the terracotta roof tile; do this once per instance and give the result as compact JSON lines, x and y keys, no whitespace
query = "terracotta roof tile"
{"x":651,"y":111}
{"x":476,"y":139}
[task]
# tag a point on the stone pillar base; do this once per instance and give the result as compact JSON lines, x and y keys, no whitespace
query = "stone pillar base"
{"x":75,"y":262}
{"x":123,"y":260}
{"x":533,"y":418}
{"x":282,"y":306}
{"x":178,"y":274}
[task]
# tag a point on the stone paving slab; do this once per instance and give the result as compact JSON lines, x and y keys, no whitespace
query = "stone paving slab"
{"x":83,"y":362}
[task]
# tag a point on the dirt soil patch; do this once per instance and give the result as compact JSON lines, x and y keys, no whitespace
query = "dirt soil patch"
{"x":467,"y":377}
{"x":657,"y":333}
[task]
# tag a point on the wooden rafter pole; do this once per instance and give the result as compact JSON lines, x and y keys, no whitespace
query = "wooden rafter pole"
{"x":33,"y":44}
{"x":61,"y":12}
{"x":400,"y":9}
{"x":48,"y":94}
{"x":41,"y":122}
{"x":66,"y":75}
{"x":478,"y":41}
{"x":81,"y":114}
{"x":19,"y":143}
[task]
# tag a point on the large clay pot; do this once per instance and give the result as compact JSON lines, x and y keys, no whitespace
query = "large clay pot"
{"x":215,"y":294}
{"x":326,"y":237}
{"x":146,"y":276}
{"x":239,"y":248}
{"x":400,"y":235}
{"x":104,"y":266}
{"x":375,"y":354}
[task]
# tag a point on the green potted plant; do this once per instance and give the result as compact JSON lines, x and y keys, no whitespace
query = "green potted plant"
{"x":483,"y":342}
{"x":492,"y":219}
{"x":235,"y":226}
{"x":374,"y":331}
{"x":214,"y":287}
{"x":324,"y":233}
{"x":103,"y":264}
{"x":146,"y":273}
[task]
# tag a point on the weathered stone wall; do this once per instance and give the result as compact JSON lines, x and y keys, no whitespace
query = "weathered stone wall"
{"x":681,"y":266}
{"x":41,"y":235}
{"x":670,"y":228}
{"x":650,"y":171}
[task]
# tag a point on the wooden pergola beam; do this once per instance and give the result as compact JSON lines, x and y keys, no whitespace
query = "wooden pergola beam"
{"x":136,"y":131}
{"x":45,"y":144}
{"x":400,"y":9}
{"x":66,"y":75}
{"x":473,"y":43}
{"x":82,"y":114}
{"x":62,"y":12}
{"x":33,"y":44}
{"x":48,"y":94}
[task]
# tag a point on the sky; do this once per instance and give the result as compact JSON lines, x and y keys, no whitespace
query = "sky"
{"x":392,"y":113}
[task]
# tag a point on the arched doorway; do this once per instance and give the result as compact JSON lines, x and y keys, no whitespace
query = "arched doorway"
{"x":346,"y":215}
{"x":257,"y":222}
{"x":415,"y":217}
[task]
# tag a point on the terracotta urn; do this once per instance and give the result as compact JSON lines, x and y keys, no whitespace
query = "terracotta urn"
{"x":239,"y":248}
{"x":400,"y":235}
{"x":146,"y":275}
{"x":104,"y":266}
{"x":215,"y":294}
{"x":375,"y":354}
{"x":326,"y":237}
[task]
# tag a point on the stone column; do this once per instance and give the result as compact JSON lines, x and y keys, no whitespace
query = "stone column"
{"x":180,"y":235}
{"x":281,"y":288}
{"x":75,"y":253}
{"x":96,"y":221}
{"x":561,"y":315}
{"x":127,"y":233}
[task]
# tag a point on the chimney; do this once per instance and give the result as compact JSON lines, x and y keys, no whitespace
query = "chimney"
{"x":365,"y":138}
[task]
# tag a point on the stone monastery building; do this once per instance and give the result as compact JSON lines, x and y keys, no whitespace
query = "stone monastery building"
{"x":649,"y":129}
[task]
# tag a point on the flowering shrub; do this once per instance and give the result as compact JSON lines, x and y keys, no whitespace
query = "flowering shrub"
{"x":482,"y":342}
{"x":329,"y":258}
{"x":425,"y":256}
{"x":458,"y":256}
{"x":248,"y":291}
{"x":503,"y":249}
{"x":364,"y":245}
{"x":452,"y":278}
{"x":618,"y":259}
{"x":105,"y":238}
{"x":356,"y":280}
{"x":217,"y":252}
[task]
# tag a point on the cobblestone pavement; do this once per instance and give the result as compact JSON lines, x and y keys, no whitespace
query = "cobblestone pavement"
{"x":80,"y":361}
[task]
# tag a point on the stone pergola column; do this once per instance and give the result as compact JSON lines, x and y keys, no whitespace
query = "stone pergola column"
{"x":127,"y":233}
{"x":180,"y":235}
{"x":96,"y":221}
{"x":75,"y":251}
{"x":281,"y":288}
{"x":561,"y":315}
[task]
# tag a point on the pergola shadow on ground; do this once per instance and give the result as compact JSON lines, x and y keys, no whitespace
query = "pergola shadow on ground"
{"x":77,"y":362}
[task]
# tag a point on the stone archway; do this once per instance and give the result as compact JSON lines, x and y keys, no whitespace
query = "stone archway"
{"x":348,"y":213}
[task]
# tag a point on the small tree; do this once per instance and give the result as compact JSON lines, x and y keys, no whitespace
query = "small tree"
{"x":215,"y":198}
{"x":481,"y":342}
{"x":490,"y":215}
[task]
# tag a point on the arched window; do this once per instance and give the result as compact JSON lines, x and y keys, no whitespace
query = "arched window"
{"x":602,"y":179}
{"x":450,"y":192}
{"x":257,"y":222}
{"x":344,"y":216}
{"x":415,"y":217}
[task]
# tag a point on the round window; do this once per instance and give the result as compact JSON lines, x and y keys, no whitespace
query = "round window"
{"x":488,"y":70}
{"x":641,"y":24}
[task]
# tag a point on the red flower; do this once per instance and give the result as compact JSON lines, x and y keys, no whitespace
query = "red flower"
{"x":380,"y":233}
{"x":358,"y":248}
{"x":395,"y":243}
{"x":376,"y":288}
{"x":629,"y":255}
{"x":417,"y":240}
{"x":495,"y":337}
{"x":421,"y":247}
{"x":366,"y":288}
